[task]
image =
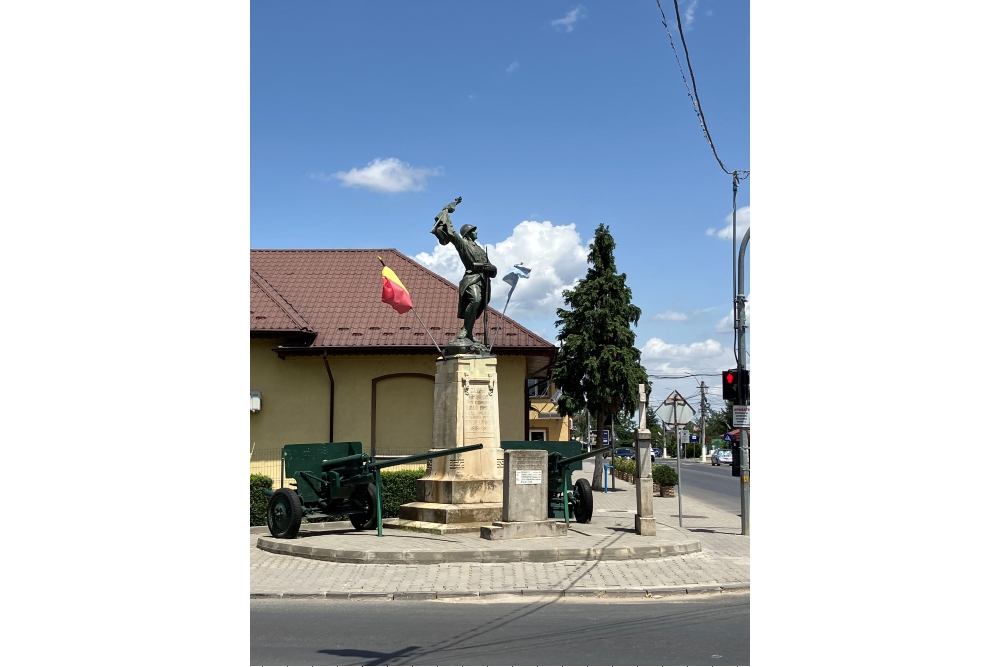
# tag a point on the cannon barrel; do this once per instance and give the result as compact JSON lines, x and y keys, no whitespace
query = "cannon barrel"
{"x":560,"y":461}
{"x":422,"y":457}
{"x":334,"y":463}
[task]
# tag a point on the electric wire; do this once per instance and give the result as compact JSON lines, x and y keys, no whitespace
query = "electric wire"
{"x":739,"y":174}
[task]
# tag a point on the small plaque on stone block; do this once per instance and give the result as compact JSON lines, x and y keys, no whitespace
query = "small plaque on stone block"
{"x":528,"y":477}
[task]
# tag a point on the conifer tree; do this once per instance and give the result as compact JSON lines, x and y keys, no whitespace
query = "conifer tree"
{"x":597,"y":366}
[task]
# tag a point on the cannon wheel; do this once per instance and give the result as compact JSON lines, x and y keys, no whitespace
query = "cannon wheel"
{"x":584,"y":508}
{"x":366,"y":496}
{"x":284,"y":513}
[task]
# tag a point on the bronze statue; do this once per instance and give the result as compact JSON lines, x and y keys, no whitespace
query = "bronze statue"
{"x":474,"y":288}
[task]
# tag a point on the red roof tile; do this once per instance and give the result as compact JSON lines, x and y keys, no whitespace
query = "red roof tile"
{"x":269,"y":311}
{"x":338,"y":294}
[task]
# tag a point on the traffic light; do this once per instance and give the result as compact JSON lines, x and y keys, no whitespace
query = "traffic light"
{"x":736,"y":459}
{"x":729,"y":381}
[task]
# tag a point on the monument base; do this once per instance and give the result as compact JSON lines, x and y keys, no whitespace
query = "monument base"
{"x":645,"y":525}
{"x":435,"y":528}
{"x":459,"y":491}
{"x":518,"y":530}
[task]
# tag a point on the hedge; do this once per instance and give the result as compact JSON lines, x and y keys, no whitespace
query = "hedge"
{"x":258,"y":501}
{"x":399,"y":487}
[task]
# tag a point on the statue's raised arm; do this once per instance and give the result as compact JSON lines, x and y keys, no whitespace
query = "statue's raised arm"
{"x":443,"y":229}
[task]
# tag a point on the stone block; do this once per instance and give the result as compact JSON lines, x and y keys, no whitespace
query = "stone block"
{"x":525,"y":485}
{"x":515,"y":530}
{"x":645,"y":525}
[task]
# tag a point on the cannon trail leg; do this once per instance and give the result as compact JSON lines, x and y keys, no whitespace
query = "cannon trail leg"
{"x":565,"y":497}
{"x":378,"y":500}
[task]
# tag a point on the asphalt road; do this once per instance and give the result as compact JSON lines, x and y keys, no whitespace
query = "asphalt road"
{"x":713,"y":485}
{"x":713,"y":629}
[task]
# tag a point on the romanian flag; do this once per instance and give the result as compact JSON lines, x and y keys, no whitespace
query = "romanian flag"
{"x":393,"y":292}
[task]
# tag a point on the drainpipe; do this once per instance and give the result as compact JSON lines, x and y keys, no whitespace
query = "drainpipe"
{"x":332,"y":388}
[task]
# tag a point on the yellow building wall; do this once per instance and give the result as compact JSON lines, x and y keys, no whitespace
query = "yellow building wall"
{"x":295,"y":401}
{"x":557,"y":429}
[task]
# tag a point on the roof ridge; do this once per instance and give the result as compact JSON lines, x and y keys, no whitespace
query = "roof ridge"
{"x":279,"y":300}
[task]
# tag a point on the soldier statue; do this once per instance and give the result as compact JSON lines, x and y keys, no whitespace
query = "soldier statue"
{"x":474,"y":288}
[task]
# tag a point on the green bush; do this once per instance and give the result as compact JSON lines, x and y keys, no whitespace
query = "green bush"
{"x":664,"y":476}
{"x":399,"y":487}
{"x":258,"y":500}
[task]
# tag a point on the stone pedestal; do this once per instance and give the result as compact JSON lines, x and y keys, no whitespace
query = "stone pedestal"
{"x":525,"y":499}
{"x":464,"y":492}
{"x":645,"y":524}
{"x":525,"y":485}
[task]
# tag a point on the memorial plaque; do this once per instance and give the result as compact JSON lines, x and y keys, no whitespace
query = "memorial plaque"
{"x":479,"y":413}
{"x":527,"y":476}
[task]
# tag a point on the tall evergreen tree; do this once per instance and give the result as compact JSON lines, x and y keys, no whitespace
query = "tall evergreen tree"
{"x":598,"y":365}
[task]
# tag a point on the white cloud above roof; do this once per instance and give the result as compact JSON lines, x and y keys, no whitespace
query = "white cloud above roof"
{"x":385,"y":175}
{"x":556,"y":255}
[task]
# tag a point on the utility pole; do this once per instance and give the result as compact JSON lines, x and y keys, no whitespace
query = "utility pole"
{"x":742,"y":397}
{"x":704,"y":407}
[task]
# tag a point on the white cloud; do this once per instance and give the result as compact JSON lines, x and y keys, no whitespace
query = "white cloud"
{"x":388,"y":175}
{"x":725,"y":325}
{"x":707,"y":356}
{"x":578,"y":13}
{"x":513,"y":66}
{"x":472,"y":97}
{"x":742,"y":225}
{"x":674,"y":316}
{"x":689,"y":13}
{"x":555,"y":254}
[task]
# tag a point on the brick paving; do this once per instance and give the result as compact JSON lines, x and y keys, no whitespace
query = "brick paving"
{"x":724,"y":561}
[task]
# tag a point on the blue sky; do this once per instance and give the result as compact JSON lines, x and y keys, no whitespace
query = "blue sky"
{"x":548,"y":118}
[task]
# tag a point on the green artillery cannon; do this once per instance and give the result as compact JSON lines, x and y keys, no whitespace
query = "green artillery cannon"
{"x":564,"y":458}
{"x":331,"y":479}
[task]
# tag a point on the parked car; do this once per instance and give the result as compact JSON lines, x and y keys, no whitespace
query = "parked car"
{"x":624,"y":453}
{"x":722,"y":456}
{"x":656,"y":452}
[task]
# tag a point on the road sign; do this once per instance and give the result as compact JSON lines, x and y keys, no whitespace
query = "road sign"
{"x":694,"y":438}
{"x":741,"y":416}
{"x":675,"y":410}
{"x":685,"y":437}
{"x":727,"y":438}
{"x":605,"y":439}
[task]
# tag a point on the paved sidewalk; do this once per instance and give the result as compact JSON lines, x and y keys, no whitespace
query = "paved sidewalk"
{"x":722,"y":564}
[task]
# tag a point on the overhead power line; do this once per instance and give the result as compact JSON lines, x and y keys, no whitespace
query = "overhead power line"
{"x":693,"y":88}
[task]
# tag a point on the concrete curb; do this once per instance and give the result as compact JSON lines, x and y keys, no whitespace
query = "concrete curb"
{"x":425,"y":557}
{"x":530,"y":593}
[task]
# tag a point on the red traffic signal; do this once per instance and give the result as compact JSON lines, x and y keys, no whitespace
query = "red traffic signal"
{"x":729,"y":382}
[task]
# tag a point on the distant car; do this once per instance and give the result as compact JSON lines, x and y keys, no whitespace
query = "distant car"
{"x":624,"y":453}
{"x":722,"y":456}
{"x":656,"y":452}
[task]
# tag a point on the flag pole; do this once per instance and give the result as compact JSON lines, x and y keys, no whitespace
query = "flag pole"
{"x":382,"y":262}
{"x":501,"y":319}
{"x":428,"y":331}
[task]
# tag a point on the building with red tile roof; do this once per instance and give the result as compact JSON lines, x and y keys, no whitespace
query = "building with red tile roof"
{"x":332,"y":362}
